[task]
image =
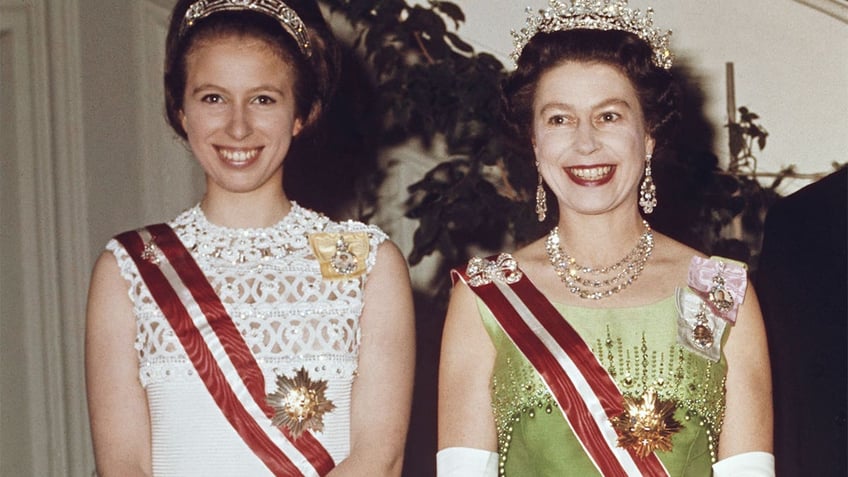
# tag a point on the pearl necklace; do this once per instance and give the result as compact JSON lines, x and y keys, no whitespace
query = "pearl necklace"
{"x":597,"y":283}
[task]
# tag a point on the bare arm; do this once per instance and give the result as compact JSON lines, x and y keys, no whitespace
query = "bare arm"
{"x":117,"y":404}
{"x":382,"y":392}
{"x":748,"y":421}
{"x":465,"y":371}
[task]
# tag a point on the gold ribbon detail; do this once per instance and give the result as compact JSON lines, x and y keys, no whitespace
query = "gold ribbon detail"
{"x":341,"y":255}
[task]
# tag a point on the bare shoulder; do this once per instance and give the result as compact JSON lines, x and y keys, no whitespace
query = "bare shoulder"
{"x":389,"y":257}
{"x":106,"y":273}
{"x":386,"y":248}
{"x":669,"y":248}
{"x":672,"y":256}
{"x":532,"y":258}
{"x":106,"y":259}
{"x":666,"y":269}
{"x":387,"y":292}
{"x":108,"y":296}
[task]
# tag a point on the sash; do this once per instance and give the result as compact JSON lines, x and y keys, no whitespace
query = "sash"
{"x":584,"y":391}
{"x":218,"y":352}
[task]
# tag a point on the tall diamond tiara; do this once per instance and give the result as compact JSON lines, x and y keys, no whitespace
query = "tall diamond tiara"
{"x":595,"y":15}
{"x":274,"y":8}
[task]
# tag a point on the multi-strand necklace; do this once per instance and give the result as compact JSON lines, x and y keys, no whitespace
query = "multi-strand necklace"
{"x":597,"y":283}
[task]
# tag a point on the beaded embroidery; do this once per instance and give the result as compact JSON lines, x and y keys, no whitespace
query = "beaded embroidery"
{"x":271,"y":285}
{"x":695,"y":384}
{"x":674,"y":374}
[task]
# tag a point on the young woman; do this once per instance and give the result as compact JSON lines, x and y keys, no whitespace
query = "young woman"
{"x":604,"y":348}
{"x":249,"y":335}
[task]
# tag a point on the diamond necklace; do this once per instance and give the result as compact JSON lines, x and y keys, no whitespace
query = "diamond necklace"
{"x":596,"y":283}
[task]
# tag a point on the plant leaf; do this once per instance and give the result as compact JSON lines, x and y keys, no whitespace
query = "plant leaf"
{"x":457,"y":43}
{"x":452,"y":11}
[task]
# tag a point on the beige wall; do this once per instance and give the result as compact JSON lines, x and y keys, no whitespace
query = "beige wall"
{"x":136,"y":170}
{"x":43,"y":255}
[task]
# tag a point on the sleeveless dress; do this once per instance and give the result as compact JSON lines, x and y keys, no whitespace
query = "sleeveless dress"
{"x":270,"y":283}
{"x":639,"y":348}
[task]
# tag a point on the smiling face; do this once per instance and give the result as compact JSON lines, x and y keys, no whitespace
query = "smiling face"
{"x":239,"y":113}
{"x":589,"y":137}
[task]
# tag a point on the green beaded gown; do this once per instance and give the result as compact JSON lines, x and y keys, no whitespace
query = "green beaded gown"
{"x":638,"y":348}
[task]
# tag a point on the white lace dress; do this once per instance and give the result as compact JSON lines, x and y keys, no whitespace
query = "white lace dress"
{"x":271,"y":285}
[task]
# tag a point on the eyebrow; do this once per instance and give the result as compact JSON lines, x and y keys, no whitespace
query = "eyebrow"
{"x":600,"y":105}
{"x":206,"y":86}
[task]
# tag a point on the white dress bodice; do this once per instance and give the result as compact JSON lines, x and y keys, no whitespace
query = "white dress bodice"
{"x":270,"y":283}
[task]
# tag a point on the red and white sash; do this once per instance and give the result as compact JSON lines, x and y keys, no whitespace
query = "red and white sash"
{"x":586,"y":394}
{"x":218,"y":352}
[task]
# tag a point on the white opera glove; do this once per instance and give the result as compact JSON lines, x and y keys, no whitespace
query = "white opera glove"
{"x":466,"y":462}
{"x":748,"y":464}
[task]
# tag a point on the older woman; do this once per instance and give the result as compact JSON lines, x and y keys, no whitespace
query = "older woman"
{"x":604,"y":347}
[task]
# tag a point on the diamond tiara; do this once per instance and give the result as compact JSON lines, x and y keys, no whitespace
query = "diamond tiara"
{"x":274,"y":8}
{"x":595,"y":15}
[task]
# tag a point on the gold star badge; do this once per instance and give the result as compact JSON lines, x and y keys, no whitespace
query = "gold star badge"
{"x":299,"y":403}
{"x":646,"y":424}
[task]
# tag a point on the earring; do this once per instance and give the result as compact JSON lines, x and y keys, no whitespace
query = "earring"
{"x":541,"y":198}
{"x":648,"y":191}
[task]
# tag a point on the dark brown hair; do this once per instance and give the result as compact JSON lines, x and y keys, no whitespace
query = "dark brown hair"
{"x":657,"y":92}
{"x":316,"y":77}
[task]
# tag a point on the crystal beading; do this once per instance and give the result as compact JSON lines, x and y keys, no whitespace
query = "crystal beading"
{"x":636,"y":358}
{"x":596,"y":15}
{"x":284,"y":14}
{"x":271,"y":286}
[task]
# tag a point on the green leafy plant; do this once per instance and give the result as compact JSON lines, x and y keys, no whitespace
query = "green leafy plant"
{"x":742,"y":137}
{"x":435,"y":87}
{"x":717,"y":210}
{"x":740,"y":234}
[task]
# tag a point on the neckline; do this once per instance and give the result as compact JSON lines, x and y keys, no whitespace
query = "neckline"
{"x":653,"y":304}
{"x":204,"y":223}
